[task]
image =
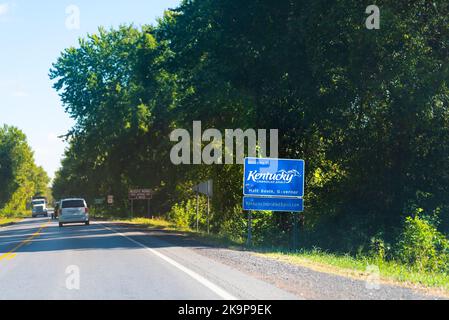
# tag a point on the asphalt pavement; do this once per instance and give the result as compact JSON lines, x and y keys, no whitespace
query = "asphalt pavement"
{"x":40,"y":261}
{"x":111,"y":261}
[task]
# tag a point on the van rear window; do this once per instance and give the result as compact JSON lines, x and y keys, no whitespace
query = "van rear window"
{"x":73,"y":204}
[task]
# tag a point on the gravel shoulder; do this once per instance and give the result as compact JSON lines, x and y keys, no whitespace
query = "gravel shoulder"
{"x":304,"y":282}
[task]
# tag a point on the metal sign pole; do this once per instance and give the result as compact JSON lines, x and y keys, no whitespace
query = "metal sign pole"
{"x":132,"y":208}
{"x":149,"y":209}
{"x":295,"y":231}
{"x":197,"y":212}
{"x":249,"y":242}
{"x":208,"y":219}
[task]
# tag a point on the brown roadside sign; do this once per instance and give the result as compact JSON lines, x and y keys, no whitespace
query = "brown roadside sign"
{"x":140,"y":194}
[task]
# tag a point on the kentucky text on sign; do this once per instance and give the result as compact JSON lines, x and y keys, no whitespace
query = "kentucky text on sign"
{"x":274,"y":178}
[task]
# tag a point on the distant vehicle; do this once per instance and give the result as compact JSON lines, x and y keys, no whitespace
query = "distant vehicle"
{"x":39,"y":207}
{"x":50,"y":212}
{"x":73,"y":211}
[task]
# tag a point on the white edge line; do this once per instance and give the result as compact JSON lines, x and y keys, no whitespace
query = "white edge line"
{"x":216,"y":289}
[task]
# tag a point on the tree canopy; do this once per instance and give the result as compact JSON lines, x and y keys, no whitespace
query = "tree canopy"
{"x":366,"y":109}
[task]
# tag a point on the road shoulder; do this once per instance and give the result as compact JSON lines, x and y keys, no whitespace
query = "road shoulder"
{"x":306,"y":281}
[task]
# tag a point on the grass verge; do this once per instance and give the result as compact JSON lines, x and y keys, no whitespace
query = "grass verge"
{"x":152,"y":223}
{"x":8,"y":221}
{"x":161,"y":224}
{"x":390,"y":272}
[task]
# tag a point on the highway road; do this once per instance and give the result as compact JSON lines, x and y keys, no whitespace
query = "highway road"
{"x":39,"y":260}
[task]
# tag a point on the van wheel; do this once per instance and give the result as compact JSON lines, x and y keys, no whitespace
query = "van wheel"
{"x":61,"y":225}
{"x":87,"y":223}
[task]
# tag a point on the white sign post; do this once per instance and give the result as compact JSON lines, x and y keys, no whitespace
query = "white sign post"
{"x":206,"y":188}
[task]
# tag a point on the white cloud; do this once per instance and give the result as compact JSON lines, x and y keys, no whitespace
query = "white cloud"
{"x":4,"y":8}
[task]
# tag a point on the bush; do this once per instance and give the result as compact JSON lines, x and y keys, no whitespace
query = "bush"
{"x":422,"y":246}
{"x":379,"y":250}
{"x":183,"y":215}
{"x":9,"y":213}
{"x":272,"y":229}
{"x":234,"y":227}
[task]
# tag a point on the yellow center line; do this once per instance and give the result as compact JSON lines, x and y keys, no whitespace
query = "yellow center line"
{"x":11,"y":254}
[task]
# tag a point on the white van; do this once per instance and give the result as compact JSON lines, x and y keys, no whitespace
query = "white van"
{"x":73,"y":211}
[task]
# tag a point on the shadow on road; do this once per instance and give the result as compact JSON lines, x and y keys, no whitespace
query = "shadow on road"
{"x":80,"y":237}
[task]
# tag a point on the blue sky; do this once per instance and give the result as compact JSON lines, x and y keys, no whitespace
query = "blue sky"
{"x":32,"y":35}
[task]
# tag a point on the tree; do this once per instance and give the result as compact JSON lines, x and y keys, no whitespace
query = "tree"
{"x":20,"y":178}
{"x":365,"y":108}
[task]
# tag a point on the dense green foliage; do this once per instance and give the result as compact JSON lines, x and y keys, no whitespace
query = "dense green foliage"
{"x":20,"y":178}
{"x":422,"y":246}
{"x":367,"y":109}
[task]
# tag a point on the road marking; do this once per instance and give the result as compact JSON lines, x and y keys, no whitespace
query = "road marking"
{"x":8,"y":256}
{"x":11,"y":254}
{"x":211,"y":286}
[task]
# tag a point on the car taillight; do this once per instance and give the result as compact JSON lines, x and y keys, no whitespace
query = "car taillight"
{"x":86,"y":210}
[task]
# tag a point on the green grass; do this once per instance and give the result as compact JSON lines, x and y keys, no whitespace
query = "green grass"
{"x":345,"y":265}
{"x":163,"y":224}
{"x":7,"y":221}
{"x":153,"y":223}
{"x":10,"y":218}
{"x":357,"y":267}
